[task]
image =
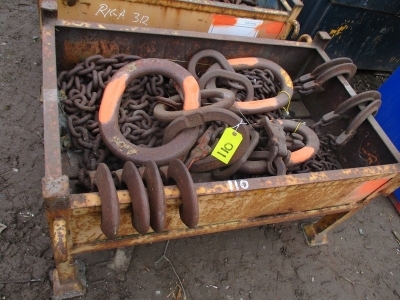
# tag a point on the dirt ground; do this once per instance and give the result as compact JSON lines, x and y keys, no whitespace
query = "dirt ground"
{"x":268,"y":262}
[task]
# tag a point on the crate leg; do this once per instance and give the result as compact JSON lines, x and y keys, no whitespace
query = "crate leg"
{"x":316,"y":234}
{"x":69,"y":276}
{"x":68,"y":280}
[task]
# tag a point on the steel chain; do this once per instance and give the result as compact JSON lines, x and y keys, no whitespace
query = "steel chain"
{"x":82,"y":87}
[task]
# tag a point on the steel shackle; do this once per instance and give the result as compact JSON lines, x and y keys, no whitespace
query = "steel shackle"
{"x":109,"y":109}
{"x":264,"y":105}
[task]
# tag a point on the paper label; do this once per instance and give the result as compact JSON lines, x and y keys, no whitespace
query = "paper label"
{"x":227,"y":145}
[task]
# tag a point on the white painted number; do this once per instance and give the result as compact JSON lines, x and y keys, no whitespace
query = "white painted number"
{"x":244,"y":184}
{"x":141,"y":19}
{"x":136,"y":17}
{"x":144,"y":19}
{"x":234,"y":185}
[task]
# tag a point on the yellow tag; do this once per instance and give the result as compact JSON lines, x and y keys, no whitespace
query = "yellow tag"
{"x":227,"y":145}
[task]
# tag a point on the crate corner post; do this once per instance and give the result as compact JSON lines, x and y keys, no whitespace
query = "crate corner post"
{"x":68,"y":276}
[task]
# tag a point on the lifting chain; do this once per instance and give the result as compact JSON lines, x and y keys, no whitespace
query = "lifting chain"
{"x":141,"y":124}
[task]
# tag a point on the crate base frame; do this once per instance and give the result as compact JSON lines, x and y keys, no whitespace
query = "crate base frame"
{"x":74,"y":219}
{"x":68,"y":280}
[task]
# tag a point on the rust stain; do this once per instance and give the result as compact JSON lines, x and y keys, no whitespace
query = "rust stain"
{"x":74,"y":51}
{"x":370,"y":158}
{"x":60,"y":240}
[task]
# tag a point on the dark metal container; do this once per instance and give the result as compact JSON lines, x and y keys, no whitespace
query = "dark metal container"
{"x":366,"y":31}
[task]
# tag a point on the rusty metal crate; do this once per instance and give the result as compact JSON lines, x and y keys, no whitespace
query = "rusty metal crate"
{"x":370,"y":161}
{"x":193,"y":15}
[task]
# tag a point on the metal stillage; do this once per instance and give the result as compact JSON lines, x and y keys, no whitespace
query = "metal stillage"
{"x":194,"y":15}
{"x":369,"y":161}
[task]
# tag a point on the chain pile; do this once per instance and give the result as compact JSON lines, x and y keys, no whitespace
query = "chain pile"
{"x":82,"y":88}
{"x":263,"y":82}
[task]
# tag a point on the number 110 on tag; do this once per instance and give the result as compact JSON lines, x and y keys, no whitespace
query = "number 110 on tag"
{"x":227,"y":145}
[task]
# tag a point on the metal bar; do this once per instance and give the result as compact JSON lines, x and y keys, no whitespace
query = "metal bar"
{"x":50,"y":105}
{"x":286,"y":5}
{"x":80,"y":201}
{"x":296,"y":9}
{"x":170,"y":32}
{"x":182,"y":233}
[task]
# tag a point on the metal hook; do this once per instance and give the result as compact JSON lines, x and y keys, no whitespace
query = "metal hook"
{"x":313,"y":82}
{"x":189,"y":210}
{"x":345,"y":136}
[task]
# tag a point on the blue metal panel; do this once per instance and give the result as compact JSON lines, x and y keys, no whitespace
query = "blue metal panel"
{"x":389,"y":112}
{"x":388,"y":6}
